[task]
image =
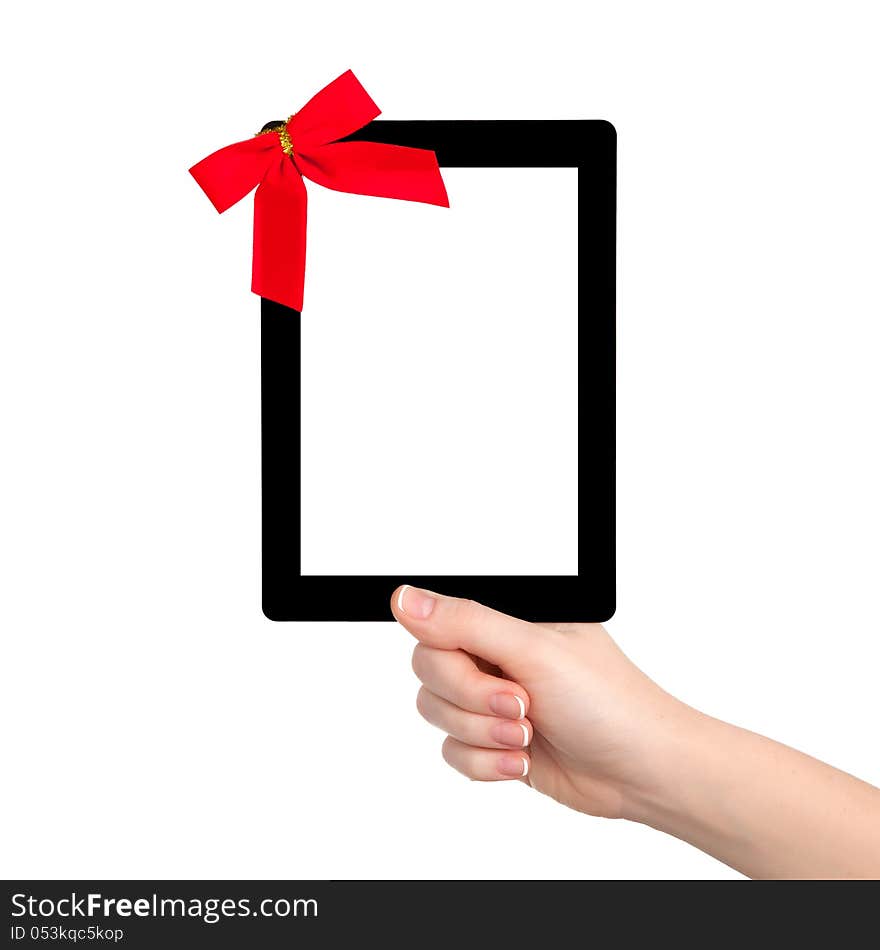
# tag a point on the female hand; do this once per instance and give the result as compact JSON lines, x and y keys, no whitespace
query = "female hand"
{"x":561,"y":708}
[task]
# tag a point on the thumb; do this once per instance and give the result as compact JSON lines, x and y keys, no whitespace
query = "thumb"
{"x":451,"y":623}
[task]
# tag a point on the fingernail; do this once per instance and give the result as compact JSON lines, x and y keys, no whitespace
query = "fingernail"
{"x":511,"y":733}
{"x":415,"y":603}
{"x":508,"y":705}
{"x":516,"y":766}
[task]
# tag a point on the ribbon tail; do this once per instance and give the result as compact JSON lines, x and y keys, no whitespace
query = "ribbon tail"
{"x":279,"y":263}
{"x":228,"y":174}
{"x":371,"y":168}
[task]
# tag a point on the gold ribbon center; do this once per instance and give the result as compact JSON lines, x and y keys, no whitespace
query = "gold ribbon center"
{"x":283,"y":135}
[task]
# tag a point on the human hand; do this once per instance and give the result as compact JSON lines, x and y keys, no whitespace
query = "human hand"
{"x":558,"y":706}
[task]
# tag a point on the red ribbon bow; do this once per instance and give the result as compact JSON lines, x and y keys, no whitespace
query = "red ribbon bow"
{"x":307,"y":146}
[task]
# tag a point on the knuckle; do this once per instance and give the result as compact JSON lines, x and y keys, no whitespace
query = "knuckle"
{"x":446,"y":752}
{"x":419,"y":660}
{"x":422,"y":702}
{"x":464,"y":611}
{"x":466,"y":606}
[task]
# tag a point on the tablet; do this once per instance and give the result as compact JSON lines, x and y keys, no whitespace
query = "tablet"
{"x":442,"y":414}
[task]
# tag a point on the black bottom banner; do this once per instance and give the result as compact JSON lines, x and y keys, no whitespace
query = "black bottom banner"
{"x":270,"y":914}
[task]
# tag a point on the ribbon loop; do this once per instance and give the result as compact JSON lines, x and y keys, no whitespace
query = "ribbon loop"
{"x":231,"y":173}
{"x":336,"y":111}
{"x":276,"y":161}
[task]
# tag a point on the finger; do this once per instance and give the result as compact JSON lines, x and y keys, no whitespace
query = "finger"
{"x":487,"y":732}
{"x":485,"y":765}
{"x":451,"y":623}
{"x":453,"y":675}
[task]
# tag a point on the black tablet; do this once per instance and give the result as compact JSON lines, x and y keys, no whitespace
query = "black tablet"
{"x":442,"y":415}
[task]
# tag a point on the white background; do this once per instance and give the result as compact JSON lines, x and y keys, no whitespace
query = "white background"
{"x":448,"y":328}
{"x":155,"y":724}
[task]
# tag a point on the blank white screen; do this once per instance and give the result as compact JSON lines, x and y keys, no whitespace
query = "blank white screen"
{"x":439,"y":379}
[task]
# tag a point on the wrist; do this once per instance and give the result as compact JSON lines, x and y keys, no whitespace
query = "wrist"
{"x":672,"y":781}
